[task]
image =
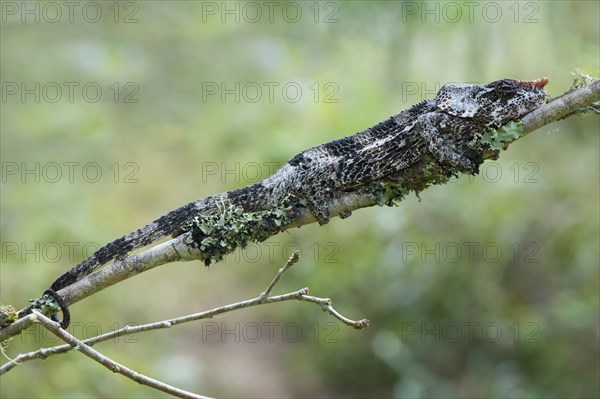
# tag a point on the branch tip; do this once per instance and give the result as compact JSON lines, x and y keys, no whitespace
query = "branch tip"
{"x":293,"y":259}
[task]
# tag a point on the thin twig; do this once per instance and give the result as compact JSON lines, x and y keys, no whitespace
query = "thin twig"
{"x":300,"y":295}
{"x":127,"y":330}
{"x":290,"y":262}
{"x":327,"y":307}
{"x":110,"y":364}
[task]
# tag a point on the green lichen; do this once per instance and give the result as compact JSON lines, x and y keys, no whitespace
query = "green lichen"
{"x":498,"y":139}
{"x":46,"y":305}
{"x":8,"y":315}
{"x":582,"y":80}
{"x":393,"y":194}
{"x":232,"y":227}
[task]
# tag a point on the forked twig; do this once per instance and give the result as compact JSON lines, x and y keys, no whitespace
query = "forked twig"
{"x":110,"y":364}
{"x":262,"y":299}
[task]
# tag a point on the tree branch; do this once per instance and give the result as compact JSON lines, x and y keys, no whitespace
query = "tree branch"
{"x":386,"y":192}
{"x":561,"y":107}
{"x":110,"y":364}
{"x":262,"y":299}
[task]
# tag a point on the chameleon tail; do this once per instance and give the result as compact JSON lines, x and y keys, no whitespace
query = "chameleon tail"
{"x":119,"y":248}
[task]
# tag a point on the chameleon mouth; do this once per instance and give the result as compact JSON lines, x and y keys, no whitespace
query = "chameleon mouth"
{"x":534,"y":84}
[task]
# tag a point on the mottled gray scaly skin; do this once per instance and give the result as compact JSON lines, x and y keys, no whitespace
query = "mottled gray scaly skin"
{"x":441,"y":127}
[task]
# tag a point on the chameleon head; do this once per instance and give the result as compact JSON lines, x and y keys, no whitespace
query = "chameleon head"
{"x":494,"y":104}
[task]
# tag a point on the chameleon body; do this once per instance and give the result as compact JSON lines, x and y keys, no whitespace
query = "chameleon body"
{"x":441,"y":128}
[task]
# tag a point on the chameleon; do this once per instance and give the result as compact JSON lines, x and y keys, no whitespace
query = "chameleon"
{"x":440,"y":128}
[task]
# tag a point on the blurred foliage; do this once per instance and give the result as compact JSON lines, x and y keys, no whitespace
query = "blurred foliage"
{"x":487,"y":287}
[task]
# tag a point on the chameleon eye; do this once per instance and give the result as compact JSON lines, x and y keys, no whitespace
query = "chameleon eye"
{"x":505,"y":90}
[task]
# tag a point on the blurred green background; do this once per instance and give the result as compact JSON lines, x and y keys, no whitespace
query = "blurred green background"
{"x":115,"y":113}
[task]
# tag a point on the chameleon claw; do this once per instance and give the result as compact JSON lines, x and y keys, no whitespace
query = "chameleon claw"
{"x":345,"y":214}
